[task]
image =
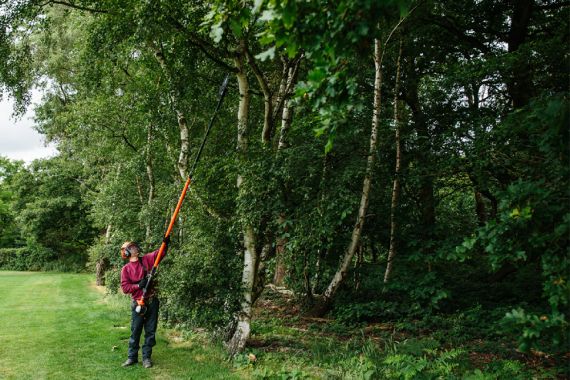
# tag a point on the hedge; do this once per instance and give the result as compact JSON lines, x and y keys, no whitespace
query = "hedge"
{"x":16,"y":259}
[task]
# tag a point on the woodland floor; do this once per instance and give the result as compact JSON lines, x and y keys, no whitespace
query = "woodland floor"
{"x":286,"y":342}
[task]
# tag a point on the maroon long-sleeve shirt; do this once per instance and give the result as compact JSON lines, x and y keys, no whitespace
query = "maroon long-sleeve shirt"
{"x":133,"y":272}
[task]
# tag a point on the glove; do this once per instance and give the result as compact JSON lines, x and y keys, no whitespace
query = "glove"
{"x":142,"y":283}
{"x":166,"y":240}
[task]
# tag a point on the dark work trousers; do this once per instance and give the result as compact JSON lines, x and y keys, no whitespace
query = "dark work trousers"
{"x":148,"y":321}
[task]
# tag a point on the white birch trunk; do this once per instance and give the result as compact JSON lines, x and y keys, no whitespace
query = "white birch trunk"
{"x":359,"y":225}
{"x":396,"y":185}
{"x":182,"y":122}
{"x":151,"y":182}
{"x":139,"y":190}
{"x":184,"y":146}
{"x":267,"y":97}
{"x":285,"y":92}
{"x":282,"y":88}
{"x":287,"y":114}
{"x":250,"y":256}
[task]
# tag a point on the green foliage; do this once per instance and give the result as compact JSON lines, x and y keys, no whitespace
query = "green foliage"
{"x":506,"y":369}
{"x":358,"y":312}
{"x":284,"y":374}
{"x":49,"y":211}
{"x":10,"y":235}
{"x":432,"y":363}
{"x":330,"y":36}
{"x":549,"y":330}
{"x":533,"y":207}
{"x":198,"y":284}
{"x":15,"y":258}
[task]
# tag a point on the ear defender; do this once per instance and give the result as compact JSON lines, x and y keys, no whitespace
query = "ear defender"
{"x":135,"y":248}
{"x":128,"y":249}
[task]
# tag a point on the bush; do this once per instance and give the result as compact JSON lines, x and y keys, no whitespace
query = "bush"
{"x":35,"y":257}
{"x":15,"y":258}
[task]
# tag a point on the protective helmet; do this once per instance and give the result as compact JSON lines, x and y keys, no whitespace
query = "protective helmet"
{"x":128,"y":249}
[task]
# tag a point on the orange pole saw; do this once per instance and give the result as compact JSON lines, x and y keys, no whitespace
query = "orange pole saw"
{"x":141,"y":307}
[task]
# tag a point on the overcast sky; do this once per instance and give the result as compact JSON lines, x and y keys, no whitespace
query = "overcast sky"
{"x":18,"y":140}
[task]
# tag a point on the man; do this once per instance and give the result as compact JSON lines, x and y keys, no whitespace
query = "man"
{"x":133,"y":280}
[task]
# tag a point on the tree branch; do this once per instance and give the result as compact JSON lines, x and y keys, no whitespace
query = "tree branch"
{"x":75,"y":6}
{"x":122,"y":135}
{"x":448,"y":24}
{"x":204,"y":46}
{"x":267,"y":94}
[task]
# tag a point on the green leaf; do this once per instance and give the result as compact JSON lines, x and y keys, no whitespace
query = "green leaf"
{"x":256,"y":6}
{"x":216,"y":32}
{"x":289,"y":14}
{"x":268,"y":15}
{"x":267,"y":54}
{"x":235,"y":26}
{"x":329,"y":145}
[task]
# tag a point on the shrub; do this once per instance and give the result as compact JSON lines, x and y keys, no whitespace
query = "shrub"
{"x":14,"y":258}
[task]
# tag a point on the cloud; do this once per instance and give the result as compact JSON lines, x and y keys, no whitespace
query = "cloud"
{"x":18,"y":139}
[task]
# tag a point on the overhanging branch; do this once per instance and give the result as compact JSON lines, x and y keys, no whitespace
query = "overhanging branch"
{"x":69,"y":4}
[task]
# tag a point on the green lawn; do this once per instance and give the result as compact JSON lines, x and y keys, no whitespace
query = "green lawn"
{"x":60,"y":326}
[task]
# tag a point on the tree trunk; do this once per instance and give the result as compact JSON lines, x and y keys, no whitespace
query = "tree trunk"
{"x":396,"y":185}
{"x":359,"y":225}
{"x":358,"y":268}
{"x":267,"y":98}
{"x":519,"y":85}
{"x":139,"y":190}
{"x":322,"y":251}
{"x":184,"y":146}
{"x":287,"y":114}
{"x":151,"y":182}
{"x":480,"y":208}
{"x":280,"y":268}
{"x":100,"y":268}
{"x":250,"y":257}
{"x":102,"y":263}
{"x":175,"y":96}
{"x":426,"y":193}
{"x":286,"y":118}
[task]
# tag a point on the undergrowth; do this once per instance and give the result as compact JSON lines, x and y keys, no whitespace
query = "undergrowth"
{"x":463,"y":345}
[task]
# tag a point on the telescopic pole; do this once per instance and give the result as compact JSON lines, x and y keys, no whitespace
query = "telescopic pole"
{"x":164,"y":246}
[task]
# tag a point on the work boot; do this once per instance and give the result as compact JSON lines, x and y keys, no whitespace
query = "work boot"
{"x":147,"y":363}
{"x":129,"y":362}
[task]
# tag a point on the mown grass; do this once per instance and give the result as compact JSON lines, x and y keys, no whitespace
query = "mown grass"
{"x":59,"y":326}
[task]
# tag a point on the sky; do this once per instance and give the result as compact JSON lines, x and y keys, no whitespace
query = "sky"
{"x":18,"y":140}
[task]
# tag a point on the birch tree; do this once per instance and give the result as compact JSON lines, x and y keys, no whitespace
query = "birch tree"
{"x":397,"y":172}
{"x":346,"y":259}
{"x":250,"y":255}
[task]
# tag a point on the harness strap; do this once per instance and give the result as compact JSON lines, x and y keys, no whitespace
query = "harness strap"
{"x":145,"y":271}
